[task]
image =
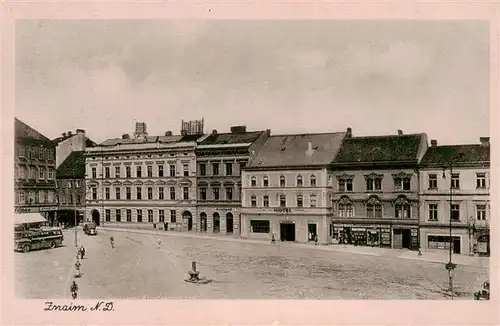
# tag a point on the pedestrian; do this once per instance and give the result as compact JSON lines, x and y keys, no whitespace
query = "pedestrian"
{"x":419,"y":251}
{"x":273,"y":240}
{"x":82,"y":251}
{"x":74,"y":290}
{"x":158,"y":242}
{"x":77,"y":266}
{"x":112,"y":241}
{"x":316,"y":239}
{"x":78,"y":252}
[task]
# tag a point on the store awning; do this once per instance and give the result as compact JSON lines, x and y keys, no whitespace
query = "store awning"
{"x":29,"y":218}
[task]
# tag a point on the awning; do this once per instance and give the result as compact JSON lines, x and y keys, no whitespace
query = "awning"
{"x":29,"y":218}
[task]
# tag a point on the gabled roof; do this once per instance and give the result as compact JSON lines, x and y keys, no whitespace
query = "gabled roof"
{"x":72,"y":167}
{"x":231,"y":138}
{"x":28,"y":134}
{"x":377,"y":149}
{"x":456,"y":154}
{"x":292,"y":150}
{"x":88,"y":141}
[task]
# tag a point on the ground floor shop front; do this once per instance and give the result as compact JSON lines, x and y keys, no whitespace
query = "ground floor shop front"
{"x":463,"y":240}
{"x":218,"y":220}
{"x":48,"y":212}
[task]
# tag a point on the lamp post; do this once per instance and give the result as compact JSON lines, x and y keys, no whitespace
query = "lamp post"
{"x":74,"y":209}
{"x":450,"y":267}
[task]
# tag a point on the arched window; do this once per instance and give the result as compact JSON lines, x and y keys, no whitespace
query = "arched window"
{"x":299,"y":181}
{"x":266,"y":181}
{"x":253,"y":182}
{"x":313,"y":181}
{"x":282,"y":181}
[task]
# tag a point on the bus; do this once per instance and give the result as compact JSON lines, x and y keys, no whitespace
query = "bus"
{"x":40,"y":238}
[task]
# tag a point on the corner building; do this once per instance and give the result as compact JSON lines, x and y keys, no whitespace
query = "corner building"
{"x":376,"y":189}
{"x":220,"y":159}
{"x":286,"y":188}
{"x":145,"y":179}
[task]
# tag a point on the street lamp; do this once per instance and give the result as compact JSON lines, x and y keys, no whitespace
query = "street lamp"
{"x":450,"y":267}
{"x":74,"y":208}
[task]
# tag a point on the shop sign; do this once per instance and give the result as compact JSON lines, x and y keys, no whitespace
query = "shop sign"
{"x":228,"y":209}
{"x":282,"y":210}
{"x":287,"y":222}
{"x":23,"y":210}
{"x":414,"y":232}
{"x":48,"y":209}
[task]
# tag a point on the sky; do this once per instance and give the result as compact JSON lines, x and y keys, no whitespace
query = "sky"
{"x":288,"y":76}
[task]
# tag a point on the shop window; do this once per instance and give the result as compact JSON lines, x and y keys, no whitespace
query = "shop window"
{"x":259,"y":226}
{"x":440,"y":242}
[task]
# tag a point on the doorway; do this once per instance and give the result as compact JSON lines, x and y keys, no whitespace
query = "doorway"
{"x":287,"y":231}
{"x":456,"y":245}
{"x":95,"y":217}
{"x":216,"y":223}
{"x":398,"y":239}
{"x":187,"y":216}
{"x":312,"y":231}
{"x":229,"y":223}
{"x":406,"y":241}
{"x":203,"y":222}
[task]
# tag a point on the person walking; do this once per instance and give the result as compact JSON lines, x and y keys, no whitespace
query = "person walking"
{"x":82,"y":251}
{"x":74,"y":290}
{"x":77,"y":267}
{"x":316,"y":239}
{"x":273,"y":240}
{"x":112,"y":241}
{"x":158,"y":243}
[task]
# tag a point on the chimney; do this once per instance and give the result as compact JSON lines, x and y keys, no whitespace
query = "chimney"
{"x":485,"y":141}
{"x":238,"y":129}
{"x":400,"y":132}
{"x":184,"y":132}
{"x":70,"y":133}
{"x":80,"y":132}
{"x":168,"y":133}
{"x":434,"y":143}
{"x":268,"y":131}
{"x":214,"y":132}
{"x":125,"y":136}
{"x":309,"y":148}
{"x":63,"y":134}
{"x":349,"y":133}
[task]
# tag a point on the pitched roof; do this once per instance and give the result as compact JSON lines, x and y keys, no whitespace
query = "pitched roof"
{"x":72,"y":167}
{"x":231,"y":138}
{"x":394,"y":148}
{"x":26,"y":133}
{"x":88,"y":141}
{"x":457,"y":154}
{"x":292,"y":150}
{"x":151,"y":139}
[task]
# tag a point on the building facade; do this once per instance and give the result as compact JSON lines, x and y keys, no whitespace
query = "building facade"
{"x":285,"y":188}
{"x":35,"y":161}
{"x":220,"y":159}
{"x":376,"y":189}
{"x":454,"y":187}
{"x":146,"y":179}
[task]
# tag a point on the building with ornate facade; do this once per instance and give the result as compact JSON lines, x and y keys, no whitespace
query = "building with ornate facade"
{"x":286,"y":188}
{"x":144,"y":179}
{"x":35,"y":162}
{"x":455,"y":187}
{"x":376,"y":190}
{"x":220,"y":159}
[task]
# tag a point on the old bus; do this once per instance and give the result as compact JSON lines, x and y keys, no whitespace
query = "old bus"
{"x":32,"y":239}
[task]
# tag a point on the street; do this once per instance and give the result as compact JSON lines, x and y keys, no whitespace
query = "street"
{"x":137,"y":269}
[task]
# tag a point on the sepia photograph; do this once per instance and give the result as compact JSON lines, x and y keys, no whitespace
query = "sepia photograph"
{"x":259,"y":159}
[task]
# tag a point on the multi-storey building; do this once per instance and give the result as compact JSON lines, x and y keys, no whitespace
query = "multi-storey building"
{"x":70,"y":142}
{"x":35,"y":163}
{"x":454,"y":187}
{"x":376,"y":190}
{"x":220,"y":158}
{"x":147,"y":179}
{"x":286,"y":186}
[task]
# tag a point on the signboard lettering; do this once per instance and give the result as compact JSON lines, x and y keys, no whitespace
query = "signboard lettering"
{"x":282,"y":210}
{"x":224,"y":209}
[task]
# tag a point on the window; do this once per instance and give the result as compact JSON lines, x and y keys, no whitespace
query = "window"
{"x":299,"y":181}
{"x":117,"y":171}
{"x":161,"y":216}
{"x":203,"y":193}
{"x":455,"y":180}
{"x":266,"y":200}
{"x":229,"y":193}
{"x":172,"y":193}
{"x":266,"y":181}
{"x":373,"y":184}
{"x":433,"y":212}
{"x":78,"y":199}
{"x":203,"y":169}
{"x":138,"y":171}
{"x":455,"y":212}
{"x":185,"y":168}
{"x":94,"y":193}
{"x":215,"y":168}
{"x":150,"y":171}
{"x":69,"y":184}
{"x":259,"y":226}
{"x":300,"y":201}
{"x":313,"y":200}
{"x":172,"y":216}
{"x":150,"y":216}
{"x":346,"y":210}
{"x":172,"y":170}
{"x":138,"y":192}
{"x":107,"y":192}
{"x":216,"y":193}
{"x":282,"y":201}
{"x":313,"y":181}
{"x":242,"y":166}
{"x":128,"y":172}
{"x":161,"y":194}
{"x":481,"y":212}
{"x":108,"y":215}
{"x":185,"y":193}
{"x":402,"y":184}
{"x":282,"y":181}
{"x":41,"y":153}
{"x":481,"y":180}
{"x":253,"y":182}
{"x":229,"y":168}
{"x":128,"y":192}
{"x":374,"y":210}
{"x":41,"y":174}
{"x":106,"y":172}
{"x":160,"y":170}
{"x":440,"y":242}
{"x":433,"y":181}
{"x":402,"y":211}
{"x":139,"y":215}
{"x":94,"y":173}
{"x":253,"y":200}
{"x":117,"y":193}
{"x":345,"y":185}
{"x":129,"y":215}
{"x":150,"y":193}
{"x":118,"y":213}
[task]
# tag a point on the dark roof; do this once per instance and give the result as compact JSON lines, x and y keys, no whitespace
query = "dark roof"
{"x":291,"y":150}
{"x":191,"y":137}
{"x":232,"y":138}
{"x":151,"y":139}
{"x":28,"y":134}
{"x":456,"y":154}
{"x":88,"y":141}
{"x":400,"y":148}
{"x":72,"y":167}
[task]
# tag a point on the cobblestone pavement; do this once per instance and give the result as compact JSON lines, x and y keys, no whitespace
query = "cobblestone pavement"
{"x":137,"y":269}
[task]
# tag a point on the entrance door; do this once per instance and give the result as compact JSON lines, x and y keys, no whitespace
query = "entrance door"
{"x":456,"y":245}
{"x":95,"y":217}
{"x":312,"y":232}
{"x":187,"y":216}
{"x":229,"y":223}
{"x":398,"y":239}
{"x":216,"y":223}
{"x":406,"y":238}
{"x":203,"y":222}
{"x":287,"y":231}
